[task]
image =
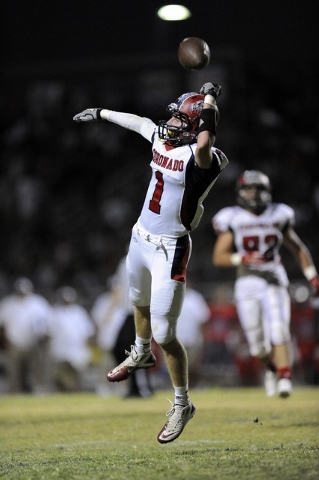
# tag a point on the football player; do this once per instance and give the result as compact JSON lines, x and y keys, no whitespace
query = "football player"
{"x":249,"y":237}
{"x":185,"y":166}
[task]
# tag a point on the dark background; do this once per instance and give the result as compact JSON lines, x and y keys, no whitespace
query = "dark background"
{"x":70,"y":193}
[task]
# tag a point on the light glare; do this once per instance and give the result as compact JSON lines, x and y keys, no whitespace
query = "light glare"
{"x":173,"y":12}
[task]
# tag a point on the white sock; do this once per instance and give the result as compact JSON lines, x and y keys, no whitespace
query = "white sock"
{"x":181,"y":395}
{"x":142,"y":345}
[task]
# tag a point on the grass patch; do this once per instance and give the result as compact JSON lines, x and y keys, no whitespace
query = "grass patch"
{"x":236,"y":433}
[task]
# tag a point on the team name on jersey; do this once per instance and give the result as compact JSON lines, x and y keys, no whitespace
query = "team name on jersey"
{"x":259,"y":225}
{"x":168,"y":163}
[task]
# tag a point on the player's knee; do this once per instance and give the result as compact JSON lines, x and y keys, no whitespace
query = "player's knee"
{"x":280,"y":335}
{"x":259,"y":350}
{"x":163,"y":329}
{"x":260,"y":353}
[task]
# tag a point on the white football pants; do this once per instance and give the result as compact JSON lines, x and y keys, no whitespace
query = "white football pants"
{"x":157,"y":275}
{"x":264,"y":313}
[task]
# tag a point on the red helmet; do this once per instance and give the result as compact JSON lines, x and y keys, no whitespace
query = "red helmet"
{"x":187,"y":109}
{"x":262,"y":197}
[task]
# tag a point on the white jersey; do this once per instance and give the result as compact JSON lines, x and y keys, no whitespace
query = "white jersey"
{"x":174,"y":200}
{"x":262,"y":233}
{"x":173,"y":203}
{"x":195,"y":312}
{"x":25,"y":319}
{"x":70,"y":330}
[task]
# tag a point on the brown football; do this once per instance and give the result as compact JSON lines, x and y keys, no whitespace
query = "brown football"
{"x":193,"y":53}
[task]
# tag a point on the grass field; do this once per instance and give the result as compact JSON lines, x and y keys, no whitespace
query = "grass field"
{"x":235,"y":434}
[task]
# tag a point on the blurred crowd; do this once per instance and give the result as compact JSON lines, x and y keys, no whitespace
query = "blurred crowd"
{"x":62,"y":346}
{"x":69,"y":195}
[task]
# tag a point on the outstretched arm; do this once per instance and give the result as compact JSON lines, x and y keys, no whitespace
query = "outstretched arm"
{"x":207,"y":125}
{"x":141,"y":125}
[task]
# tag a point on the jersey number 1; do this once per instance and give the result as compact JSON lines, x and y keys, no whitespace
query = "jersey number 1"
{"x":154,"y":205}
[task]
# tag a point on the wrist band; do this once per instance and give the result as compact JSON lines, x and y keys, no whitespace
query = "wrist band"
{"x":210,"y":100}
{"x":207,"y":121}
{"x":235,"y":259}
{"x":310,"y":272}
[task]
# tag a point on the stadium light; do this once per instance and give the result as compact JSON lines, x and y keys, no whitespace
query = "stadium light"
{"x":174,"y":12}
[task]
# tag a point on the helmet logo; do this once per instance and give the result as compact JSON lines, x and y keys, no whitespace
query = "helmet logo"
{"x":196,"y":107}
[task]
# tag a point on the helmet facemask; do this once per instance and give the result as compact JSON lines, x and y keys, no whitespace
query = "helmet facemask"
{"x":187,"y":110}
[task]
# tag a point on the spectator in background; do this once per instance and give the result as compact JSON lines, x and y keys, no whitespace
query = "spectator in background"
{"x":71,"y":329}
{"x":108,"y":317}
{"x":102,"y":314}
{"x":221,"y":337}
{"x":250,"y":235}
{"x":139,"y":384}
{"x":25,"y":317}
{"x":195,"y":313}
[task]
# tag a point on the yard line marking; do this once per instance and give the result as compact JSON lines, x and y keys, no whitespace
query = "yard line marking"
{"x":97,"y":442}
{"x":74,"y":444}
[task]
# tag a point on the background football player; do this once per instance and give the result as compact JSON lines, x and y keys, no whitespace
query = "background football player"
{"x":249,"y":237}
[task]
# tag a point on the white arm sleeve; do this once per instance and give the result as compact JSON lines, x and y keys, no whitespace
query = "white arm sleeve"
{"x":143,"y":126}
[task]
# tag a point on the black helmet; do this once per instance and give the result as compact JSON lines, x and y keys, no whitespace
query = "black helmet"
{"x":187,"y":109}
{"x":253,"y":178}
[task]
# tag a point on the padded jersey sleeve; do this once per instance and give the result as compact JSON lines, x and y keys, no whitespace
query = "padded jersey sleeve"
{"x":222,"y":220}
{"x":287,"y":215}
{"x":143,"y":126}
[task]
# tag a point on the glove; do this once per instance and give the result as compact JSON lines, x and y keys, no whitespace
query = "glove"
{"x":253,"y":258}
{"x":88,"y":115}
{"x":314,"y":283}
{"x":211,"y":89}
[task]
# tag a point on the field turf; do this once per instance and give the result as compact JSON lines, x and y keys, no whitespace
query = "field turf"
{"x":236,"y":434}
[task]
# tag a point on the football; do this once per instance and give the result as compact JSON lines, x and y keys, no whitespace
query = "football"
{"x":193,"y":53}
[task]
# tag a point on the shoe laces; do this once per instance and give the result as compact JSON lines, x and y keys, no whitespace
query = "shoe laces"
{"x":175,"y":415}
{"x":132,"y":359}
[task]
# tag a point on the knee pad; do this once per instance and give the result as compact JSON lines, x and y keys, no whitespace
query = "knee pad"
{"x":262,"y":352}
{"x":280,"y":333}
{"x":163,"y":328}
{"x":259,"y":346}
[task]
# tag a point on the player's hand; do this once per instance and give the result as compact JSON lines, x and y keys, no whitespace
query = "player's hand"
{"x":211,"y":89}
{"x":253,"y":258}
{"x":314,"y":284}
{"x":88,"y":115}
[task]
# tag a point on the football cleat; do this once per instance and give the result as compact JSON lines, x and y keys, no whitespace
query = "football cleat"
{"x":270,"y":383}
{"x":133,"y":362}
{"x":178,"y":416}
{"x":284,"y":387}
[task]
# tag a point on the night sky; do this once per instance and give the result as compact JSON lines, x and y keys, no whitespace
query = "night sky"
{"x":36,"y":31}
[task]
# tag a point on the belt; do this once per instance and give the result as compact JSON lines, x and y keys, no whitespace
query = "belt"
{"x":156,"y":239}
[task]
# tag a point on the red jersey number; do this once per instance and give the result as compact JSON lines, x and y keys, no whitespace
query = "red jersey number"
{"x":252,"y":243}
{"x":154,"y":205}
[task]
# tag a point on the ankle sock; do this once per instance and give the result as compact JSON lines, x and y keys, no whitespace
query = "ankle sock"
{"x":284,"y":372}
{"x":181,"y":395}
{"x":142,"y":345}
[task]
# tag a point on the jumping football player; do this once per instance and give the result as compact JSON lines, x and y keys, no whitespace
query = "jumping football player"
{"x":185,"y":166}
